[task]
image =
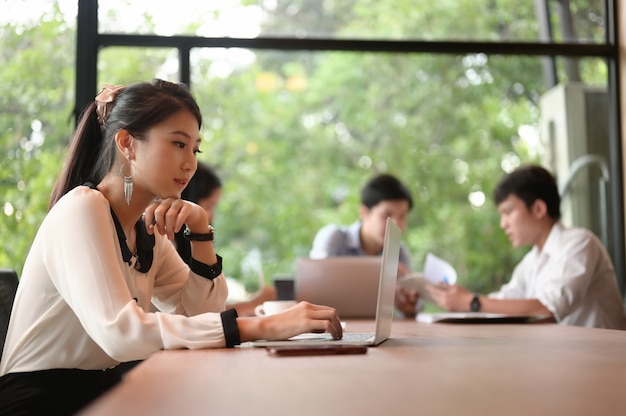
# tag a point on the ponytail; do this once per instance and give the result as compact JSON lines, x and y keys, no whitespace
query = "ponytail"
{"x":82,"y":155}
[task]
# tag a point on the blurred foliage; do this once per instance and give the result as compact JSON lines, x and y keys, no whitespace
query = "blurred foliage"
{"x":36,"y":94}
{"x":294,"y":135}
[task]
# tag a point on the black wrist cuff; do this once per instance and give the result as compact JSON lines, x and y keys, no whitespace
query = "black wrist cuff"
{"x":231,"y":330}
{"x":204,"y":270}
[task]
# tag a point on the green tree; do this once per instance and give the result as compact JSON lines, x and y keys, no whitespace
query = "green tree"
{"x":36,"y":94}
{"x":295,"y":135}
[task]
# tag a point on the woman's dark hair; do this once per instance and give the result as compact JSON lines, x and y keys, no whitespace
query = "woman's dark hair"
{"x":202,"y":183}
{"x":384,"y":187}
{"x":136,"y":108}
{"x":530,"y":183}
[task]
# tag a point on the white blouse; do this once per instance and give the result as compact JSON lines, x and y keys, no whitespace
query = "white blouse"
{"x":573,"y":277}
{"x":80,"y":305}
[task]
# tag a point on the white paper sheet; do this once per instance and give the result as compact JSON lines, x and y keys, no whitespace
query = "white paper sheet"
{"x":437,"y":270}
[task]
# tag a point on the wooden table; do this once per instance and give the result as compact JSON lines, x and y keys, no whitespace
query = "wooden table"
{"x":424,"y":369}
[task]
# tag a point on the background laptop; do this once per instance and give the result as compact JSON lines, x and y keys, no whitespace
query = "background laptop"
{"x":479,"y":318}
{"x":388,"y":272}
{"x":346,"y":283}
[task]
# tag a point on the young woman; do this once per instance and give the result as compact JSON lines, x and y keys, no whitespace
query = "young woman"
{"x":102,"y":255}
{"x":205,"y":189}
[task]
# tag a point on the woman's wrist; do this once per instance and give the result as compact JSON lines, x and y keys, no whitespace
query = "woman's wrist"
{"x":207,"y":235}
{"x":251,"y":328}
{"x":210,"y":269}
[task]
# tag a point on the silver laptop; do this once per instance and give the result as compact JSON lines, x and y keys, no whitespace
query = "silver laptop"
{"x":384,"y":308}
{"x":346,"y":283}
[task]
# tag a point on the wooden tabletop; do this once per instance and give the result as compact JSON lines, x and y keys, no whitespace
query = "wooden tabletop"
{"x":424,"y":369}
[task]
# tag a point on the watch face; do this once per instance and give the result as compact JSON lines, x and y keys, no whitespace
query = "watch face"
{"x":475,"y":304}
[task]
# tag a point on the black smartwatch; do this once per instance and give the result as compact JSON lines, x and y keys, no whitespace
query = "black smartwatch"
{"x":475,"y":304}
{"x":199,"y":237}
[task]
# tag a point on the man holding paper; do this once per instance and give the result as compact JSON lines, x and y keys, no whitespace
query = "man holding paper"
{"x":436,"y":271}
{"x":567,"y":274}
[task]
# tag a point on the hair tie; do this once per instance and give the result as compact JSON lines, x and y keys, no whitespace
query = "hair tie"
{"x":104,"y":99}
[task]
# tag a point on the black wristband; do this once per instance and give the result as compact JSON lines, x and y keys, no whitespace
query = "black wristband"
{"x":231,"y":330}
{"x":199,"y":237}
{"x":204,"y":270}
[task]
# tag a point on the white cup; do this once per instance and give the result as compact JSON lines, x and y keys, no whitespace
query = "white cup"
{"x":271,"y":307}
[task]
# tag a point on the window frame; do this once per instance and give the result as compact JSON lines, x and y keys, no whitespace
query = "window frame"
{"x":90,"y":41}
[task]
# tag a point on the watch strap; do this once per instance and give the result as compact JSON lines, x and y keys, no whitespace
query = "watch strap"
{"x":475,"y":303}
{"x":199,"y":237}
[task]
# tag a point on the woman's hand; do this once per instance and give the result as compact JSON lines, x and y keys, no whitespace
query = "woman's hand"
{"x":169,"y":215}
{"x":301,"y":318}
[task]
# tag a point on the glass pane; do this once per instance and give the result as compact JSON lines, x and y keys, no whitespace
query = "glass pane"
{"x":575,"y":21}
{"x":38,"y":53}
{"x":123,"y":65}
{"x":296,"y":135}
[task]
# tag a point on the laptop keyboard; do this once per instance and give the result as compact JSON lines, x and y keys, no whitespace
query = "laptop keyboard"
{"x":355,"y":337}
{"x":347,"y":337}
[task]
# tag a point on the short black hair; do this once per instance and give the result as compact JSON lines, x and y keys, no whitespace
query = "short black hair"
{"x":530,"y":183}
{"x":384,"y":187}
{"x":202,"y":184}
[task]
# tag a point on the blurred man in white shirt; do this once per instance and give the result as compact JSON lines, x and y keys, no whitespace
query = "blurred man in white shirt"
{"x":382,"y":197}
{"x":567,"y":273}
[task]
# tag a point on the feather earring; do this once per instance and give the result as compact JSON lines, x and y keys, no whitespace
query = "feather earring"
{"x":129,"y":168}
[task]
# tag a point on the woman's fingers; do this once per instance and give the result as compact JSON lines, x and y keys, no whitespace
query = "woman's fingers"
{"x":325,"y":319}
{"x":329,"y":320}
{"x":304,"y":317}
{"x":166,"y":216}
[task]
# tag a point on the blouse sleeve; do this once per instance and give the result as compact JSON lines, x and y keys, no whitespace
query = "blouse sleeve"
{"x":85,"y":265}
{"x":178,"y":289}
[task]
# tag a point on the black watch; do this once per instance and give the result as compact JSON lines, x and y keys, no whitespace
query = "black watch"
{"x":475,"y":304}
{"x":199,"y":237}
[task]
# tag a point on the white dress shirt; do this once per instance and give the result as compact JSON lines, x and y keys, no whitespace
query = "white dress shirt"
{"x":573,"y":277}
{"x":80,"y":305}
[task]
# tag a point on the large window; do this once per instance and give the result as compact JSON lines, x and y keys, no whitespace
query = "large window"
{"x":304,"y":101}
{"x":571,"y":21}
